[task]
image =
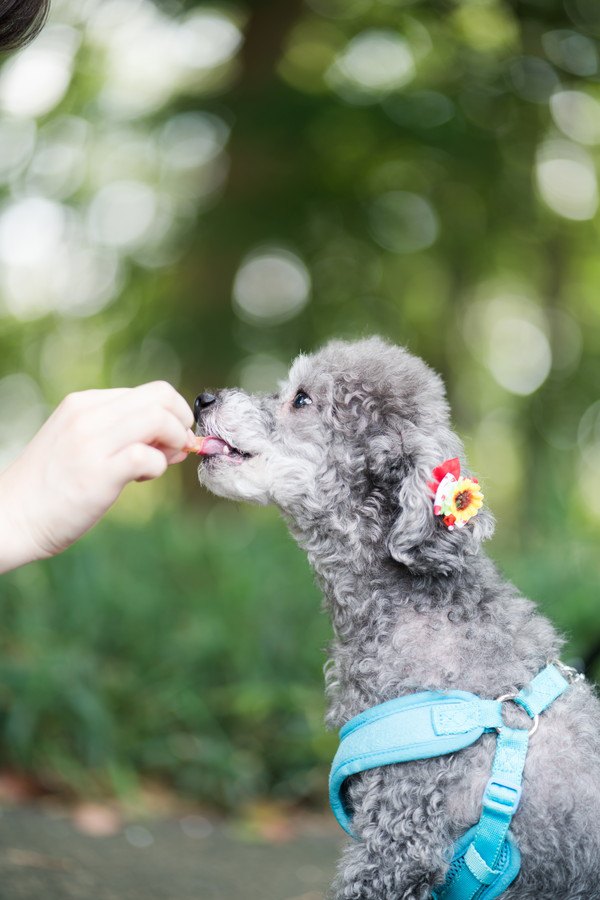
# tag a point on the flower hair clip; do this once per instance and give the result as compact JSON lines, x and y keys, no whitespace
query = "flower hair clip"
{"x":456,"y":498}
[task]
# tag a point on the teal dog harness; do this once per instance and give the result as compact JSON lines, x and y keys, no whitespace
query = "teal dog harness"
{"x":486,"y":859}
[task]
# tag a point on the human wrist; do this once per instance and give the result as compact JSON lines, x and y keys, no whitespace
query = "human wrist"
{"x":17,"y":542}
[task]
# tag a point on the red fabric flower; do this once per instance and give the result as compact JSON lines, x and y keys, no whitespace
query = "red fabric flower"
{"x":450,"y":465}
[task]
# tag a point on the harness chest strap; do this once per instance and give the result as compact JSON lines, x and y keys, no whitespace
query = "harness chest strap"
{"x":417,"y":726}
{"x":435,"y":723}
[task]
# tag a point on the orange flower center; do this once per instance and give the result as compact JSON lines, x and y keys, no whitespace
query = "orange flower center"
{"x":462,"y":500}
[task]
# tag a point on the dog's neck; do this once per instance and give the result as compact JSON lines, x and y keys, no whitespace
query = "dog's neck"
{"x":363,"y":585}
{"x":363,"y":594}
{"x":399,"y":631}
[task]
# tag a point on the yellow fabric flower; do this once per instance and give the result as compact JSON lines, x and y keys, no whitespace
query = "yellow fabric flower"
{"x":464,"y":501}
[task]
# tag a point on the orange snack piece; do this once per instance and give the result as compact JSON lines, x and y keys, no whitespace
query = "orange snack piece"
{"x":195,"y":445}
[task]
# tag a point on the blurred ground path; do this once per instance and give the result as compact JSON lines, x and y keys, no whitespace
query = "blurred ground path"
{"x":42,"y":855}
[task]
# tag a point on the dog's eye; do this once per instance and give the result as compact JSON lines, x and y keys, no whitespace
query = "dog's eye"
{"x":301,"y":399}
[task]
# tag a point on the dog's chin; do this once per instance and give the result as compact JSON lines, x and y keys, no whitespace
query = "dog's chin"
{"x":233,"y":481}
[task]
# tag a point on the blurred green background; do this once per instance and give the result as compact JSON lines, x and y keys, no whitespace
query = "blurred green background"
{"x":196,"y":192}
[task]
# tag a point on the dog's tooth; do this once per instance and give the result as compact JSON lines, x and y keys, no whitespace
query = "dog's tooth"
{"x":226,"y":450}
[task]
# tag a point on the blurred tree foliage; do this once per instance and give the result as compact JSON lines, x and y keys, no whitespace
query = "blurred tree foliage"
{"x":200,"y":191}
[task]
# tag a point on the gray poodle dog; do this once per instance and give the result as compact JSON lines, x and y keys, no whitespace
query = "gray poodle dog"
{"x":346,"y":450}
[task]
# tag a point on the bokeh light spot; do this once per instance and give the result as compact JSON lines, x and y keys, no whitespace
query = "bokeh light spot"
{"x":150,"y":57}
{"x":572,"y":51}
{"x":17,"y":140}
{"x":37,"y":78}
{"x":588,"y":433}
{"x":121,"y":214}
{"x":192,"y":159}
{"x":47,"y":263}
{"x":139,"y":836}
{"x":190,"y":140}
{"x":519,"y":355}
{"x":508,"y":333}
{"x":566,"y":179}
{"x":30,"y":231}
{"x":374,"y":63}
{"x":577,"y":115}
{"x":208,"y":39}
{"x":59,"y":164}
{"x":196,"y":827}
{"x":487,"y":27}
{"x":533,"y":78}
{"x":403,"y":222}
{"x":271,"y":285}
{"x":261,"y":373}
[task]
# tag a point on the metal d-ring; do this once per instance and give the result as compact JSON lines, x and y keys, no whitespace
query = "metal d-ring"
{"x":504,"y":698}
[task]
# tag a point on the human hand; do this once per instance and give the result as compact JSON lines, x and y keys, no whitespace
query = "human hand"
{"x":73,"y":470}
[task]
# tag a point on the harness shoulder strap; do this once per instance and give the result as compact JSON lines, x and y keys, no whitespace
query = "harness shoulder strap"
{"x":487,"y":864}
{"x":417,"y":726}
{"x":488,"y":861}
{"x":545,"y":688}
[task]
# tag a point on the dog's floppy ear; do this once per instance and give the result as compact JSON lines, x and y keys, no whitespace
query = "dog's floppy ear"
{"x":418,"y":538}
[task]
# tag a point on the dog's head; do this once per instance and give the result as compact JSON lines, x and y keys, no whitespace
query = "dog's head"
{"x":347,"y":446}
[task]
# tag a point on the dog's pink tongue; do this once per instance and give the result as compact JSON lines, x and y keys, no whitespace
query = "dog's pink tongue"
{"x":213,"y":446}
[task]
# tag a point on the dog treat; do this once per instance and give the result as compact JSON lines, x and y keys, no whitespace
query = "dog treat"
{"x":196,"y":445}
{"x":208,"y":446}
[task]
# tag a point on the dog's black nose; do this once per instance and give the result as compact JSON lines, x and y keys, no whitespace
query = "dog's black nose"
{"x":201,"y":403}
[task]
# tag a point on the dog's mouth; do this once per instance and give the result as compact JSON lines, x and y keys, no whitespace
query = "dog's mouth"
{"x":213,"y":446}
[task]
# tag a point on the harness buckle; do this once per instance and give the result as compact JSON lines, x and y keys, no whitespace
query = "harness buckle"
{"x":502,"y":796}
{"x":510,"y":698}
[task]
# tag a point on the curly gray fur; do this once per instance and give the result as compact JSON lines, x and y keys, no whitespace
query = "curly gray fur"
{"x":414,"y":606}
